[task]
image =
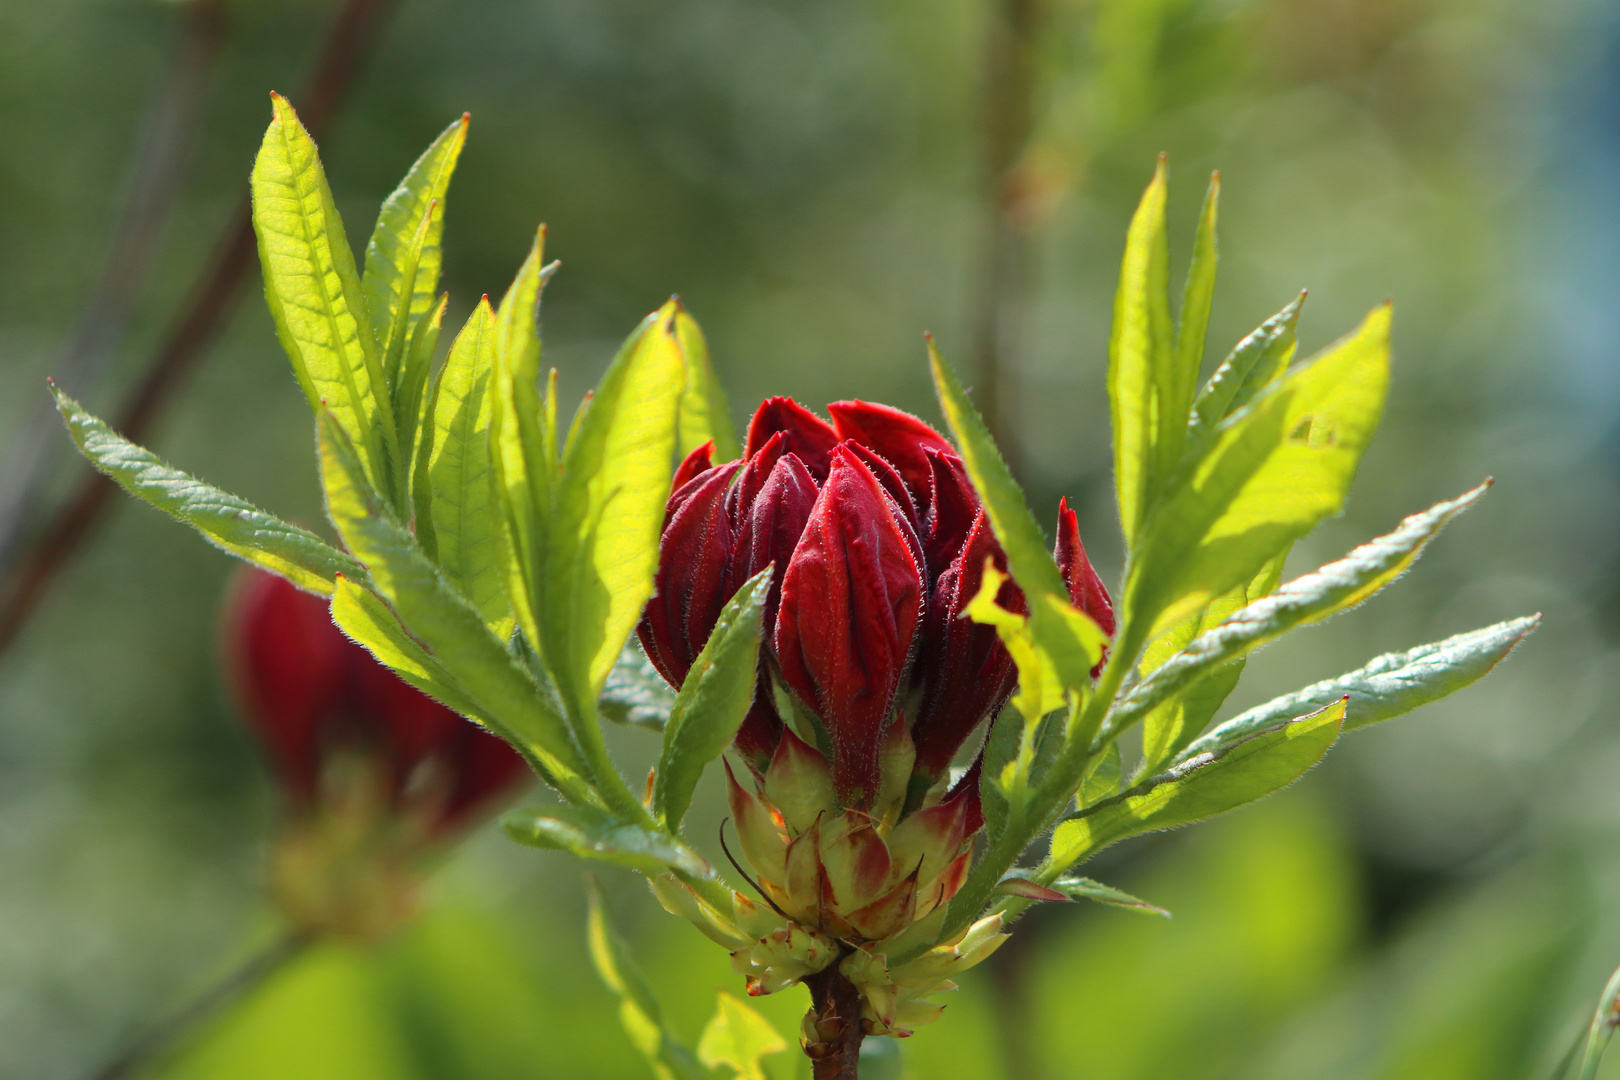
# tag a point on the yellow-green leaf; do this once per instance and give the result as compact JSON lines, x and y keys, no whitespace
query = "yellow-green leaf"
{"x":737,"y":1037}
{"x":424,"y":186}
{"x":705,"y":413}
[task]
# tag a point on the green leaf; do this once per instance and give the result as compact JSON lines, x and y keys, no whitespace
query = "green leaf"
{"x":1276,"y":469}
{"x":314,"y":293}
{"x":1333,"y":588}
{"x":417,"y":392}
{"x":1080,"y":888}
{"x":737,"y":1037}
{"x":643,"y":1020}
{"x":459,"y":473}
{"x":592,"y":833}
{"x":443,"y":620}
{"x":635,"y":694}
{"x":231,"y":524}
{"x":400,"y":324}
{"x":1256,"y":362}
{"x":420,"y":195}
{"x":1198,"y":788}
{"x":1390,"y":686}
{"x":608,"y":511}
{"x":705,"y":414}
{"x":367,"y":619}
{"x":1142,"y":380}
{"x":1066,"y":635}
{"x":713,"y":700}
{"x":519,"y":442}
{"x":1102,"y":776}
{"x":1196,"y":300}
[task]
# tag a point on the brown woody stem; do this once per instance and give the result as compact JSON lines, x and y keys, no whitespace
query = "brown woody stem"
{"x":836,"y":1010}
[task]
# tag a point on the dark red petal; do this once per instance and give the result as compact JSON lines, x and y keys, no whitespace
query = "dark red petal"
{"x":952,"y":507}
{"x":900,"y":437}
{"x":806,"y":434}
{"x":761,"y":729}
{"x":1086,"y":590}
{"x":693,"y":556}
{"x":851,"y":604}
{"x":698,"y":461}
{"x":771,"y":528}
{"x":967,"y":673}
{"x":752,"y":476}
{"x":891,"y":480}
{"x":968,"y":788}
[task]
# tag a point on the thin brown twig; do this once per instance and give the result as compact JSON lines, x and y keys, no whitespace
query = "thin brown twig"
{"x":1007,"y":119}
{"x":163,"y":1036}
{"x":28,"y":579}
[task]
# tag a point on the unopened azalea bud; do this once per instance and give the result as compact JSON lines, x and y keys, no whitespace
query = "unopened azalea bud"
{"x":851,"y":603}
{"x":1086,"y":590}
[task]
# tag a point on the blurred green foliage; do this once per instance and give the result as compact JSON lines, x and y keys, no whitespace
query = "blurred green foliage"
{"x":1438,"y":901}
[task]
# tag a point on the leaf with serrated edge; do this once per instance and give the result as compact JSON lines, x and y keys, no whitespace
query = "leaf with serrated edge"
{"x":458,"y":471}
{"x":231,"y":524}
{"x":1198,"y":788}
{"x":592,"y":833}
{"x":1277,"y":469}
{"x":424,"y":185}
{"x":1333,"y":588}
{"x":1257,"y":361}
{"x":643,"y":1021}
{"x":737,"y":1037}
{"x":444,"y":621}
{"x":366,"y":619}
{"x":1081,"y":888}
{"x":314,"y":294}
{"x":705,"y":413}
{"x":609,"y":510}
{"x":417,"y":390}
{"x":714,"y":698}
{"x":1390,"y":686}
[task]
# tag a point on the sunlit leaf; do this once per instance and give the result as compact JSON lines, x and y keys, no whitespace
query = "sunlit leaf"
{"x":714,"y":698}
{"x":443,"y":620}
{"x":229,"y":523}
{"x":314,"y":293}
{"x":643,"y":1020}
{"x":1276,"y":469}
{"x":424,"y":186}
{"x":705,"y":413}
{"x":1191,"y":330}
{"x":459,"y":473}
{"x":592,"y":833}
{"x":1390,"y":686}
{"x":1332,"y":588}
{"x":1080,"y":888}
{"x":1198,"y":788}
{"x":415,"y":400}
{"x":737,"y":1037}
{"x":1255,"y":364}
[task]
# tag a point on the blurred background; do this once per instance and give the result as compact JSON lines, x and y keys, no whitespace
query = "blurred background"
{"x":822,"y":181}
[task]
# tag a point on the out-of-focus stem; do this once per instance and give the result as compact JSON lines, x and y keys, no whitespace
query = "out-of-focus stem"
{"x":162,"y":1037}
{"x":1007,"y":118}
{"x":837,"y":1006}
{"x":28,"y":579}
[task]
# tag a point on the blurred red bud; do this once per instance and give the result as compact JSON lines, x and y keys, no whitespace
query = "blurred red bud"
{"x":1086,"y":590}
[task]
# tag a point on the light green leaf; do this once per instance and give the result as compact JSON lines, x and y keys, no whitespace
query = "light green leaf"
{"x":366,"y":618}
{"x":1081,"y":888}
{"x":1335,"y":587}
{"x":1198,"y":788}
{"x":417,"y":392}
{"x":314,"y":293}
{"x":737,"y":1037}
{"x":1065,"y":634}
{"x":643,"y":1020}
{"x":396,"y":330}
{"x":635,"y":694}
{"x":1390,"y":686}
{"x":519,"y":440}
{"x":1196,"y":300}
{"x":1256,"y":362}
{"x":1102,"y":776}
{"x":1276,"y":469}
{"x":387,"y":278}
{"x":592,"y":833}
{"x":713,"y":700}
{"x":608,"y":511}
{"x":1142,"y":382}
{"x":705,"y":413}
{"x":443,"y":620}
{"x":231,"y":524}
{"x":459,"y":473}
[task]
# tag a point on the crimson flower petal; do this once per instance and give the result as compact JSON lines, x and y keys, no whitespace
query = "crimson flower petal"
{"x":899,"y":437}
{"x":804,"y":433}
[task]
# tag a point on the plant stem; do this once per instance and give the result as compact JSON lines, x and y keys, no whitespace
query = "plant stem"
{"x":233,"y":986}
{"x":36,"y":569}
{"x":837,"y":1007}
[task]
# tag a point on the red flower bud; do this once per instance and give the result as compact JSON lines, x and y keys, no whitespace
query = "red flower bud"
{"x":968,"y":672}
{"x":804,"y":433}
{"x":900,"y":438}
{"x":850,"y":607}
{"x":311,"y":694}
{"x":1086,"y":591}
{"x":692,"y":581}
